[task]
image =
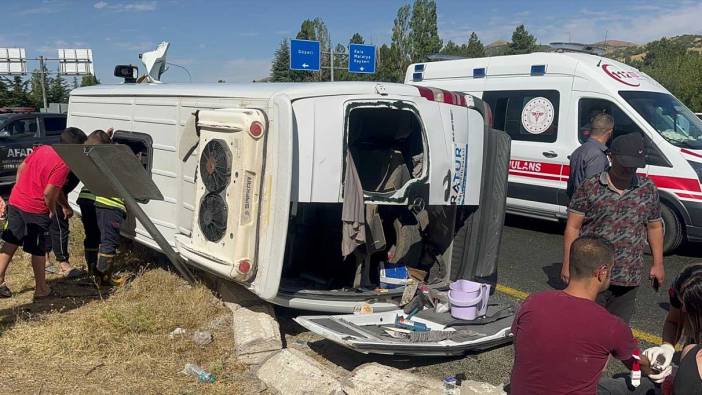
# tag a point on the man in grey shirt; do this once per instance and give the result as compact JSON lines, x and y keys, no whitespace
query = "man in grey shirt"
{"x":590,"y":159}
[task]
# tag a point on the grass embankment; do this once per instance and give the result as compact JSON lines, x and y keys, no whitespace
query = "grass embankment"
{"x":113,"y":341}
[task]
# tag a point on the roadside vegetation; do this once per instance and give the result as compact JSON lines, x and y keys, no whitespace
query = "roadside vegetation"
{"x":114,"y":341}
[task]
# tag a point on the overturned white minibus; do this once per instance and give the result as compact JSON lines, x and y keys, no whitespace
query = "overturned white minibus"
{"x":301,"y":192}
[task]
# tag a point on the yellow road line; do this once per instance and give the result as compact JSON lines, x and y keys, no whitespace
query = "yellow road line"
{"x":521,"y":295}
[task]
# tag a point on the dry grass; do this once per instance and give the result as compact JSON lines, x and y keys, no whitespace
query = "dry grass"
{"x":88,"y":342}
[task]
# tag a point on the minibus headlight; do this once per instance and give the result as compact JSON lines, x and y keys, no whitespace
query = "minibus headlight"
{"x":697,"y":167}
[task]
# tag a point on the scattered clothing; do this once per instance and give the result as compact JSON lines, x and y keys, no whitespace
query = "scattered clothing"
{"x":562,"y":344}
{"x":588,"y":160}
{"x":619,"y":219}
{"x":353,"y":210}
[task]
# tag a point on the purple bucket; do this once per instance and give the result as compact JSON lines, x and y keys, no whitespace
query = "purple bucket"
{"x":468,"y":299}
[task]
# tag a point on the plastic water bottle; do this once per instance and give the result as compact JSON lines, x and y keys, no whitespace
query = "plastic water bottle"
{"x":451,"y":386}
{"x":202,"y":375}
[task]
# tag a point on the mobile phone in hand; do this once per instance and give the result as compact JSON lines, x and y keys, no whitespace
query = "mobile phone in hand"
{"x":654,"y":284}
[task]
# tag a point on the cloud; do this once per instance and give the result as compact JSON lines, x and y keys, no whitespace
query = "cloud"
{"x":243,"y":70}
{"x":136,"y":46}
{"x":137,"y":6}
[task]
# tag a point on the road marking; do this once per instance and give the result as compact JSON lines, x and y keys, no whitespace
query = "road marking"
{"x":521,"y":295}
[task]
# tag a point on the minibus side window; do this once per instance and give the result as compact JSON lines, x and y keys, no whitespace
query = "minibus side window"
{"x":140,"y":144}
{"x":589,"y":107}
{"x":508,"y":107}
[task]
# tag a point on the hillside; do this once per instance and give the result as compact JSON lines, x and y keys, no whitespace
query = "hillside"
{"x":637,"y":52}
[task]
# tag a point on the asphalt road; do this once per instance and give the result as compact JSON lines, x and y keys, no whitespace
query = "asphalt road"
{"x":530,"y":259}
{"x":531,"y":255}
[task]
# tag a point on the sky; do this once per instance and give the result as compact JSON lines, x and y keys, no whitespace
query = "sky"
{"x":235,"y":40}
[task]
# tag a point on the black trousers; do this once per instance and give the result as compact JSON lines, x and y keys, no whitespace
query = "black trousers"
{"x":619,"y":300}
{"x":90,"y":224}
{"x":58,"y":235}
{"x":109,"y":221}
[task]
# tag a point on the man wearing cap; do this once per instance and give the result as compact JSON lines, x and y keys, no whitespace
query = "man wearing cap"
{"x":623,"y":208}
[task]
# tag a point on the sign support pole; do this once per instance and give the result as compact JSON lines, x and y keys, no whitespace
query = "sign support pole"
{"x":43,"y":81}
{"x":331,"y":61}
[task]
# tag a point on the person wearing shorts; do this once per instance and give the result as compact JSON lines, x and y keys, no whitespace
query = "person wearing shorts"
{"x":39,"y":181}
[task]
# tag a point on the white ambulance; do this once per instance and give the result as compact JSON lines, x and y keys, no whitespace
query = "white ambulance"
{"x":255,"y":177}
{"x":544,"y":101}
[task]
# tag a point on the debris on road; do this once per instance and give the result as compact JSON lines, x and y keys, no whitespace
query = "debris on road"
{"x":177,"y":332}
{"x":202,"y":375}
{"x":202,"y":338}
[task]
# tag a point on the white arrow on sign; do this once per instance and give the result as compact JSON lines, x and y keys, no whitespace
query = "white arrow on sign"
{"x":305,"y":65}
{"x":361,"y":68}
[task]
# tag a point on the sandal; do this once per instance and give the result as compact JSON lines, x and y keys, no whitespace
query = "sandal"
{"x":5,"y":291}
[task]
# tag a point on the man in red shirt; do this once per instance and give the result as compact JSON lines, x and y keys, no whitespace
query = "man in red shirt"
{"x":563,"y":339}
{"x":39,"y":181}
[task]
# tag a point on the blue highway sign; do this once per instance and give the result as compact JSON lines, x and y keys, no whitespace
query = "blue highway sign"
{"x":304,"y":55}
{"x":361,"y":58}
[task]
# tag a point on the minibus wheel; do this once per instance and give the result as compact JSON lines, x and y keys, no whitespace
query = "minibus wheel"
{"x":672,"y":229}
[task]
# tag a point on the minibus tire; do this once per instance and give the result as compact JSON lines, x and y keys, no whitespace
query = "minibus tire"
{"x":672,"y":229}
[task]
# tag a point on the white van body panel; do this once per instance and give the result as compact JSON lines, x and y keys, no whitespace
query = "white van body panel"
{"x":303,"y":159}
{"x":574,"y":76}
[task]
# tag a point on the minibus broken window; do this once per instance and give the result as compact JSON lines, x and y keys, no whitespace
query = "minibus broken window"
{"x":670,"y":118}
{"x":140,"y":144}
{"x":387,"y":147}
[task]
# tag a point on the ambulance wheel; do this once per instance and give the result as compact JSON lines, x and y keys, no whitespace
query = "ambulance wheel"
{"x":672,"y":229}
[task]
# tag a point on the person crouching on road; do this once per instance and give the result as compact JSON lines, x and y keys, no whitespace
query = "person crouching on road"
{"x":623,"y":208}
{"x":675,"y":321}
{"x":102,"y":219}
{"x":563,"y":339}
{"x":39,"y":181}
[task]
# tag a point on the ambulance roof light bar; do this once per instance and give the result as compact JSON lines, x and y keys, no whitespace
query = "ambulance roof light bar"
{"x":577,"y":47}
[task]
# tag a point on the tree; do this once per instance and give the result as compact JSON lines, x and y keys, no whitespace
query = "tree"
{"x":18,"y":93}
{"x":357,"y":38}
{"x":399,"y":56}
{"x":522,"y":41}
{"x":424,"y":35}
{"x":315,"y":29}
{"x":35,"y":91}
{"x":89,"y":80}
{"x":475,"y":48}
{"x":453,"y":49}
{"x":57,"y":91}
{"x":4,"y":92}
{"x":387,"y":68}
{"x":280,"y":68}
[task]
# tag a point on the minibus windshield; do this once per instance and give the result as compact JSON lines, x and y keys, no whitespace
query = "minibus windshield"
{"x":671,"y":119}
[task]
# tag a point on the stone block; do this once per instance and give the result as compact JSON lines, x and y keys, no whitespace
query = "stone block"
{"x":256,"y":333}
{"x":292,"y":372}
{"x":374,"y":378}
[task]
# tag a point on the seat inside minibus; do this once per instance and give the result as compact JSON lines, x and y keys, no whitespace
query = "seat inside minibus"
{"x":387,"y":148}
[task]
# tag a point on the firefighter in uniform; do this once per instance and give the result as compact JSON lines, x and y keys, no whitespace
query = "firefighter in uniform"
{"x":102,"y":219}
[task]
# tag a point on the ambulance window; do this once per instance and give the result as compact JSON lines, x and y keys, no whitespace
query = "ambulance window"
{"x":526,"y":115}
{"x":588,"y":108}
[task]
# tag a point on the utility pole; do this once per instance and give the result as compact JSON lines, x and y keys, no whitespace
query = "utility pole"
{"x":43,"y":81}
{"x":331,"y":59}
